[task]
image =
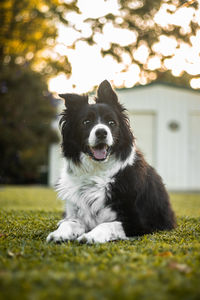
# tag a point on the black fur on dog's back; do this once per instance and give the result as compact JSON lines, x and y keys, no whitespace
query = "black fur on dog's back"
{"x":141,"y":200}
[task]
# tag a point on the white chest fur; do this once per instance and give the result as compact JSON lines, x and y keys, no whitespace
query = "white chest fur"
{"x":86,"y":187}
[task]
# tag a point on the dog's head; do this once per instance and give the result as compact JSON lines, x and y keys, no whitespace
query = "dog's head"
{"x":98,"y":130}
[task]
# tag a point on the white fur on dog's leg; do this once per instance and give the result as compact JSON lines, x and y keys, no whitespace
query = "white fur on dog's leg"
{"x":103,"y":233}
{"x":67,"y":230}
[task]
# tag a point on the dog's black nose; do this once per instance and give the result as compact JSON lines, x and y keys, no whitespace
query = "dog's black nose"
{"x":101,"y":133}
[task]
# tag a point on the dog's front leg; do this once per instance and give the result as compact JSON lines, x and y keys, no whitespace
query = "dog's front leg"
{"x":103,"y":233}
{"x":68,"y":229}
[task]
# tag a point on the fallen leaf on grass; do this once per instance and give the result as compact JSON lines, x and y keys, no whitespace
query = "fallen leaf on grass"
{"x":12,"y":254}
{"x":3,"y":235}
{"x":165,"y":254}
{"x":116,"y":268}
{"x":183,"y":268}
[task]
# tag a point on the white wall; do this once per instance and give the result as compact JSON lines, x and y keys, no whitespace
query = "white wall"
{"x":194,"y":150}
{"x":55,"y":164}
{"x":143,"y":125}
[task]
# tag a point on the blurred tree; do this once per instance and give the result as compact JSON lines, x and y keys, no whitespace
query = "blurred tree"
{"x":140,"y":17}
{"x":27,"y":59}
{"x":26,"y":114}
{"x":28,"y":34}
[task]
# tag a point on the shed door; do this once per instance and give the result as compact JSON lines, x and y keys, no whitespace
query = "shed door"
{"x":194,"y":151}
{"x":143,"y":125}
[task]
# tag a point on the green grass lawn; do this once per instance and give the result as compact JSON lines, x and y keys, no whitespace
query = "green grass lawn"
{"x":161,"y":266}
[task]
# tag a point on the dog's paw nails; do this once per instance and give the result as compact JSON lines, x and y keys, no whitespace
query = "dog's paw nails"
{"x":56,"y":237}
{"x":49,"y":238}
{"x":82,"y":239}
{"x":53,"y":238}
{"x":85,"y":239}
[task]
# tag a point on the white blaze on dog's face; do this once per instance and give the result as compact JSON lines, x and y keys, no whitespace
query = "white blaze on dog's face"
{"x":100,"y":127}
{"x":100,"y":140}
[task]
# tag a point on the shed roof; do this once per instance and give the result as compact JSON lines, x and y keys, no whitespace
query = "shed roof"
{"x":154,"y":83}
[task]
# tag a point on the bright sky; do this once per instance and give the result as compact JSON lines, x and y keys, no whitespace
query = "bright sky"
{"x":89,"y":68}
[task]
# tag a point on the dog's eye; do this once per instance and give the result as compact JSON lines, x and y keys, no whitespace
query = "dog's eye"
{"x":86,"y":122}
{"x":111,"y":123}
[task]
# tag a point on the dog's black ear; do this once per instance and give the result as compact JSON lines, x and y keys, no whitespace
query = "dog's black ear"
{"x":105,"y":93}
{"x":72,"y":100}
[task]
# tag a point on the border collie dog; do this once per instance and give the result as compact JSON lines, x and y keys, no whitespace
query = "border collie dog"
{"x":110,"y":191}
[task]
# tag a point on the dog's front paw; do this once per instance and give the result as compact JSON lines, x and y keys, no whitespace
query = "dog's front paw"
{"x":89,"y":238}
{"x":58,"y":236}
{"x":103,"y":233}
{"x":97,"y":235}
{"x":67,"y":231}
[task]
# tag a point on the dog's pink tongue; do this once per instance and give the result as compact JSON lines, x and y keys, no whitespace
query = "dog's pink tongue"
{"x":99,"y":153}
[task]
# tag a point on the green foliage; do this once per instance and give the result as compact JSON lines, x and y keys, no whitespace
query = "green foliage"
{"x":25,"y":124}
{"x":161,"y":266}
{"x":139,"y":18}
{"x":27,"y":59}
{"x":28,"y":34}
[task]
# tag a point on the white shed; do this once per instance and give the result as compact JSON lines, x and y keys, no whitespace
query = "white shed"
{"x":166,"y":122}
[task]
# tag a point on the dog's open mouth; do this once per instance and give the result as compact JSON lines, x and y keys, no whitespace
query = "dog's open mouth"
{"x":100,"y":152}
